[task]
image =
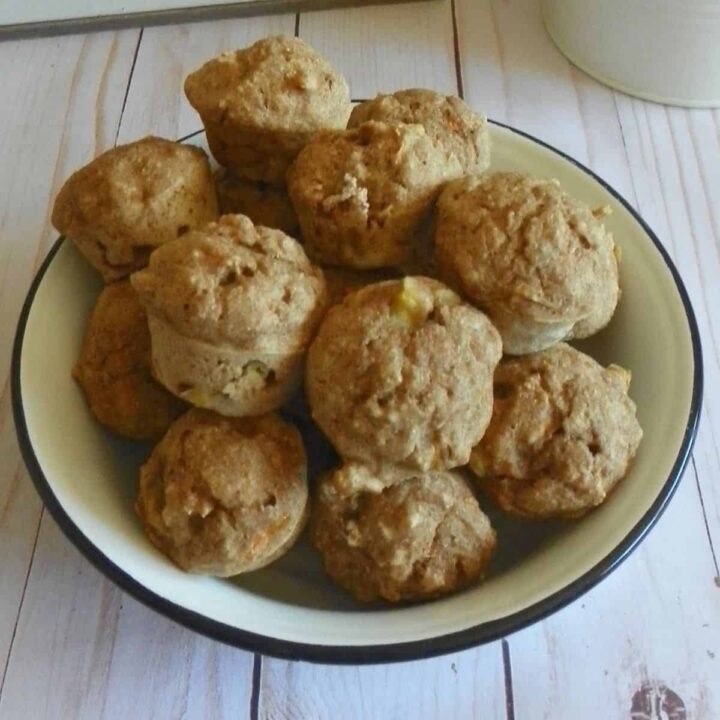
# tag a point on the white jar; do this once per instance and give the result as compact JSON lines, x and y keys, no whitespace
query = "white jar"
{"x":662,"y":50}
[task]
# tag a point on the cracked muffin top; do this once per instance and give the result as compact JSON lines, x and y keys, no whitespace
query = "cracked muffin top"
{"x":223,"y":495}
{"x":562,"y":434}
{"x":234,"y":280}
{"x":539,"y":262}
{"x":278,"y":83}
{"x":133,"y":198}
{"x":363,"y":194}
{"x":398,"y":535}
{"x":459,"y":132}
{"x":401,"y":372}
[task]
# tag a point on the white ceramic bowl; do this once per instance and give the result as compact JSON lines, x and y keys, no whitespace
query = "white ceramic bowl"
{"x":667,"y":51}
{"x":88,"y":478}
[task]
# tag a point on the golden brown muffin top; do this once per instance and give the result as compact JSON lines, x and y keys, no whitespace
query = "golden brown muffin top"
{"x":359,"y":193}
{"x":131,"y":199}
{"x":562,"y":434}
{"x":461,"y":133}
{"x":522,"y":243}
{"x":278,"y":83}
{"x":221,"y":462}
{"x":400,"y":535}
{"x":220,"y":494}
{"x":114,"y":367}
{"x":233,"y":280}
{"x":401,"y":372}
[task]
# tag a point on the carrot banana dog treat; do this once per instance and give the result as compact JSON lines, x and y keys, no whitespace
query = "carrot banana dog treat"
{"x":364,"y":195}
{"x":231,"y":309}
{"x":399,"y":535}
{"x":132,"y":199}
{"x":261,"y":104}
{"x":114,"y":368}
{"x":223,"y":496}
{"x":401,"y":372}
{"x":540,"y":263}
{"x":460,"y":133}
{"x":562,"y":435}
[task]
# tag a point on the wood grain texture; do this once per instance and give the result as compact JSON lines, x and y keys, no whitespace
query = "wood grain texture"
{"x":383,"y":49}
{"x":62,"y":650}
{"x":83,"y":650}
{"x":181,"y":675}
{"x":61,"y":105}
{"x":156,"y":103}
{"x":655,"y":619}
{"x":673,"y":157}
{"x":512,"y":71}
{"x":462,"y":685}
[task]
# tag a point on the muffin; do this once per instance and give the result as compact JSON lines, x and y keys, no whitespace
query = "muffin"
{"x":401,"y":372}
{"x":399,"y":535}
{"x":364,"y":196}
{"x":261,"y":104}
{"x":114,"y":368}
{"x":460,"y":133}
{"x":541,"y":264}
{"x":562,"y":435}
{"x":223,"y":496}
{"x":264,"y":204}
{"x":231,"y":310}
{"x":133,"y":198}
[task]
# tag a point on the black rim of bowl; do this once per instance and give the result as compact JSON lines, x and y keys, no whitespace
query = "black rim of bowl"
{"x":354,"y":654}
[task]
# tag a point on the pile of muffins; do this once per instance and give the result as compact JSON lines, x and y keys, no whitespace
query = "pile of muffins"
{"x":365,"y":264}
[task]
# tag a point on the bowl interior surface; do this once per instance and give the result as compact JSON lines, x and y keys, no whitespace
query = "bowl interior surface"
{"x":93,"y":475}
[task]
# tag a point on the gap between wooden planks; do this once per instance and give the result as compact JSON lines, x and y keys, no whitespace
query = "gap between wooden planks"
{"x":60,"y":110}
{"x":654,"y":619}
{"x":555,"y":103}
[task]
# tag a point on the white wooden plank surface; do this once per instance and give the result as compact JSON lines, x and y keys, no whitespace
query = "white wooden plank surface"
{"x":382,"y":49}
{"x":81,"y":649}
{"x":673,"y":157}
{"x":654,"y":619}
{"x":670,"y":636}
{"x":462,"y":685}
{"x":61,"y":105}
{"x":14,"y":12}
{"x":84,"y":651}
{"x":174,"y":672}
{"x":63,"y":647}
{"x":503,"y":49}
